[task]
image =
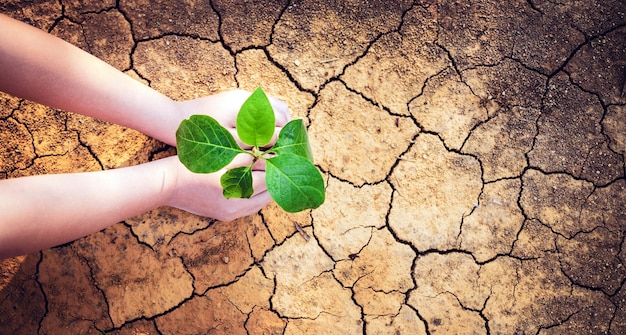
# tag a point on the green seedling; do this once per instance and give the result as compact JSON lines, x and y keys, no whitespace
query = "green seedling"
{"x":204,"y":146}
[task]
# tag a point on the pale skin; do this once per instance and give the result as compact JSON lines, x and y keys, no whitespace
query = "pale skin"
{"x":39,"y":212}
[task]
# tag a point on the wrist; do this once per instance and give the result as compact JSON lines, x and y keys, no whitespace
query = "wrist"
{"x":173,"y":116}
{"x":168,"y":170}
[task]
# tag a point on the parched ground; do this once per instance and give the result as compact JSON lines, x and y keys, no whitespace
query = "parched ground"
{"x":473,"y":153}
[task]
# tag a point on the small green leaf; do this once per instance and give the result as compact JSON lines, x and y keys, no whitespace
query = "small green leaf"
{"x":204,"y":146}
{"x":294,"y":182}
{"x":293,"y":139}
{"x":237,"y":182}
{"x":256,"y":120}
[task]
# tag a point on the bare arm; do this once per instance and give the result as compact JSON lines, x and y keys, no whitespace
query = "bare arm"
{"x":42,"y":211}
{"x":37,"y":66}
{"x":39,"y":212}
{"x":45,"y":69}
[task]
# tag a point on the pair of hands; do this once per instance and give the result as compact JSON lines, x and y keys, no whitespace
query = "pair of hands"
{"x":201,"y":194}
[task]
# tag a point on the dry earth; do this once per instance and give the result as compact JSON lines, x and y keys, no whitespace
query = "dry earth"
{"x":473,"y":152}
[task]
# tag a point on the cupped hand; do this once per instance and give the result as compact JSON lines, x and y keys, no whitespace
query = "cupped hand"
{"x":225,"y":106}
{"x":201,"y":194}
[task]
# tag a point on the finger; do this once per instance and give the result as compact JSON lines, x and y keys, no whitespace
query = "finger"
{"x":246,"y":207}
{"x":240,"y":160}
{"x":257,"y":202}
{"x":258,"y":182}
{"x":235,"y":100}
{"x":246,"y":160}
{"x":222,"y":106}
{"x":242,"y":145}
{"x":281,"y":111}
{"x":274,"y":138}
{"x":259,"y":165}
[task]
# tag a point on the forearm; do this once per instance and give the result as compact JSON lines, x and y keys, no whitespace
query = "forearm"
{"x":43,"y":211}
{"x":39,"y":67}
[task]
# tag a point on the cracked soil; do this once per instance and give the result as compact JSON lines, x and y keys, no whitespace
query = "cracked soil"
{"x":473,"y":153}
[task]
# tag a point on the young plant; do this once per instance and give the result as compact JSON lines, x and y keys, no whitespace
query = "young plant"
{"x":204,"y":146}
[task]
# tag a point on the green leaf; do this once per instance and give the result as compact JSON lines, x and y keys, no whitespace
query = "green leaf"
{"x":294,"y":182}
{"x":204,"y":146}
{"x":293,"y":139}
{"x":256,"y":120}
{"x":237,"y":182}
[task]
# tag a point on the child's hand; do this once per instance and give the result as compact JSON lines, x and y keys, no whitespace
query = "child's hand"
{"x":201,"y":194}
{"x":225,"y":106}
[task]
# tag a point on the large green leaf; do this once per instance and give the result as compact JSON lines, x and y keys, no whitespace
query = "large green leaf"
{"x":294,"y":182}
{"x":237,"y":182}
{"x":293,"y":139}
{"x":204,"y":146}
{"x":256,"y":120}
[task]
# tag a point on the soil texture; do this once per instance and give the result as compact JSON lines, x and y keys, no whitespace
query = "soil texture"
{"x":473,"y":153}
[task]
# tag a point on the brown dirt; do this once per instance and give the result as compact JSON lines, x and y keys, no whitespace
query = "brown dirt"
{"x":473,"y":152}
